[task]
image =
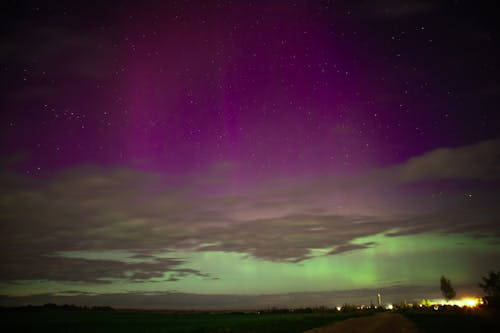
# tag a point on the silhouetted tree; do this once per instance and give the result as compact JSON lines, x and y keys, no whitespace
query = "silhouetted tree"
{"x":491,"y":285}
{"x":446,"y":288}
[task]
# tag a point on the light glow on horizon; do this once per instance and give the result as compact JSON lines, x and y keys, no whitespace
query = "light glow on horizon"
{"x":469,"y":302}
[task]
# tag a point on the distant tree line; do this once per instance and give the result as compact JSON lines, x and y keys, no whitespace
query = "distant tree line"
{"x":55,"y":307}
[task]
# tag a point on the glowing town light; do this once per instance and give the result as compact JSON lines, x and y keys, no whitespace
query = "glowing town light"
{"x":469,"y":302}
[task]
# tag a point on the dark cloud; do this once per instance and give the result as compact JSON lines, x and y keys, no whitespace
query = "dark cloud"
{"x":291,"y":238}
{"x":85,"y":270}
{"x":477,"y":161}
{"x":88,"y":209}
{"x":481,"y":219}
{"x":49,"y":46}
{"x":351,"y":247}
{"x":119,"y":209}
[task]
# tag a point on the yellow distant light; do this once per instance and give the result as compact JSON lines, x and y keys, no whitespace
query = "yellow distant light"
{"x":470,"y":302}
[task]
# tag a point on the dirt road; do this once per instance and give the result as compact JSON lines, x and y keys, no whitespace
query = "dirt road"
{"x":386,"y":322}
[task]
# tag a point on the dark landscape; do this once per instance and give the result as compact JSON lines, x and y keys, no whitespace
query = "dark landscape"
{"x":52,"y":318}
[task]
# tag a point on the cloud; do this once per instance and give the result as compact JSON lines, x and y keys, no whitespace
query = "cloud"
{"x":291,"y":238}
{"x":56,"y":46}
{"x":479,"y":161}
{"x":142,"y":213}
{"x":94,"y":209}
{"x":89,"y":209}
{"x":52,"y":55}
{"x":350,"y":247}
{"x":55,"y":268}
{"x":478,"y":219}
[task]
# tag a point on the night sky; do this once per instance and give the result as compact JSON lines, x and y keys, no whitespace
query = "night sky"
{"x":232,"y":154}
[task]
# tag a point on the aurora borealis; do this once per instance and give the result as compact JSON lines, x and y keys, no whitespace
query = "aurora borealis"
{"x":246,"y":154}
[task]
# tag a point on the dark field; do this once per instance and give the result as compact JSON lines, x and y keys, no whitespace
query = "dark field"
{"x":456,"y":321}
{"x":118,"y":321}
{"x":136,"y":321}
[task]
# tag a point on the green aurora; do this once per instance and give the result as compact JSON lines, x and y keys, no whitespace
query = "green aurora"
{"x":391,"y":260}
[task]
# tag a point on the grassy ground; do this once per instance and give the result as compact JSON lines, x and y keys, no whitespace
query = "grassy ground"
{"x":456,"y":320}
{"x":165,"y":322}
